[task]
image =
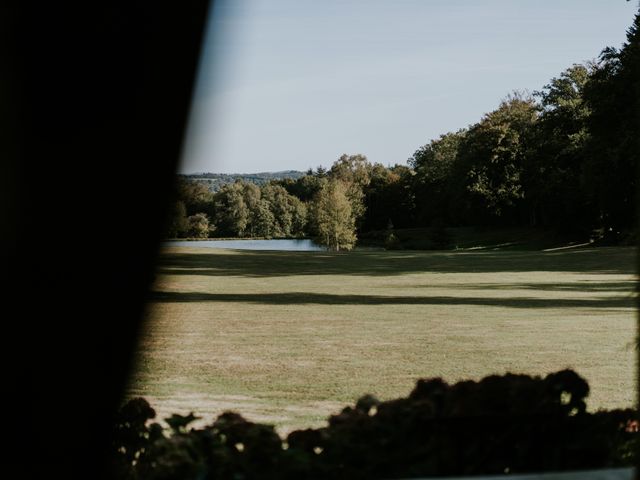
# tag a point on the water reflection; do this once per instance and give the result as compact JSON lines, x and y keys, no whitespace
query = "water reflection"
{"x":305,"y":245}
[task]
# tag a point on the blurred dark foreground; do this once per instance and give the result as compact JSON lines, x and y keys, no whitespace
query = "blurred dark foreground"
{"x":499,"y":425}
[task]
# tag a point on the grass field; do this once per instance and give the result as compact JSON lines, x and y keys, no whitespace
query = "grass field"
{"x":290,"y":337}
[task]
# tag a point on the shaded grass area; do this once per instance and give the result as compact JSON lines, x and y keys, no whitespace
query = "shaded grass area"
{"x":306,"y":298}
{"x":487,"y":238}
{"x":391,"y":263}
{"x":289,"y":337}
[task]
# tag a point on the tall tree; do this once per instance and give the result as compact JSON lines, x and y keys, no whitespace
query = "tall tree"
{"x":195,"y":196}
{"x":198,"y":226}
{"x":493,"y":155}
{"x":303,"y":188}
{"x":280,"y":203}
{"x":231,"y":211}
{"x":388,"y":198}
{"x":334,"y":219}
{"x":299,"y":217}
{"x":553,"y":176}
{"x":432,"y":184}
{"x":614,"y":147}
{"x":288,"y":211}
{"x":354,"y":171}
{"x":264,"y":220}
{"x":251,"y":195}
{"x":178,"y":224}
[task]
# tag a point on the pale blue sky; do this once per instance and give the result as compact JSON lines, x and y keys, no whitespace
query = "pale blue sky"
{"x":293,"y":84}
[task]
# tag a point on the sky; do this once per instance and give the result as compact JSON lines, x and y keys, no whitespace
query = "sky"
{"x":294,"y":84}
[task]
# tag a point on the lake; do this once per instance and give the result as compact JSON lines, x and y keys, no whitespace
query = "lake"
{"x":305,"y":245}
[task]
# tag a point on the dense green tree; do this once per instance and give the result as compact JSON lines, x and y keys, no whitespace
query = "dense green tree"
{"x":388,"y":198}
{"x":288,"y":211}
{"x":493,"y":155}
{"x":195,"y":196}
{"x":554,"y":172}
{"x":231,"y":211}
{"x":198,"y":226}
{"x":243,"y":209}
{"x":298,"y":217}
{"x":264,"y":220}
{"x":178,"y":224}
{"x":354,"y":171}
{"x":613,"y":95}
{"x":280,"y":203}
{"x":333,"y":217}
{"x":303,"y":188}
{"x":251,"y":195}
{"x":433,"y":183}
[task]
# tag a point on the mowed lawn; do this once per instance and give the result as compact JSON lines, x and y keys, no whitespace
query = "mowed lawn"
{"x":290,"y":337}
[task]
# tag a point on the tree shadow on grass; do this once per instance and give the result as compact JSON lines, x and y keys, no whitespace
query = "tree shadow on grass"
{"x":306,"y":298}
{"x":585,"y":286}
{"x":249,"y":263}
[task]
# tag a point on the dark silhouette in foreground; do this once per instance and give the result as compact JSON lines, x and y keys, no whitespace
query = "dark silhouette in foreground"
{"x":500,"y":424}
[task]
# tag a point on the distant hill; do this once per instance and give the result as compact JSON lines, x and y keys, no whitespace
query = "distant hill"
{"x":214,"y":181}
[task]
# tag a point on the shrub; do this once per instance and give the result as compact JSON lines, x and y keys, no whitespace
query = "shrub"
{"x":198,"y":226}
{"x":500,"y":424}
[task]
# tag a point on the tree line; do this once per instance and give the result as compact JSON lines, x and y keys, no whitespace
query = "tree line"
{"x":564,"y":157}
{"x":214,"y":181}
{"x":322,"y":204}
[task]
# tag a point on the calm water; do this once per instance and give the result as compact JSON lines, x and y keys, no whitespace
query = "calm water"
{"x":287,"y":245}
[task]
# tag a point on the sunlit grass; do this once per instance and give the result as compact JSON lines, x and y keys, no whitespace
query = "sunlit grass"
{"x":289,"y":337}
